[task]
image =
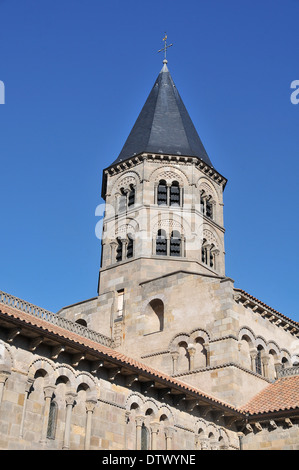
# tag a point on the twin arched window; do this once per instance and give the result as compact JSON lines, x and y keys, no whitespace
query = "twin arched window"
{"x":169,"y":195}
{"x":124,"y":248}
{"x":208,"y":254}
{"x":127,"y":198}
{"x":206,"y":205}
{"x":171,"y":246}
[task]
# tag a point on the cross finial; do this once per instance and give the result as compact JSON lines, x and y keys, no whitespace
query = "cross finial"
{"x":165,"y":48}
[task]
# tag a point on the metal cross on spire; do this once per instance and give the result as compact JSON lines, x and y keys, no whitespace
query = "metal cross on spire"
{"x":165,"y":47}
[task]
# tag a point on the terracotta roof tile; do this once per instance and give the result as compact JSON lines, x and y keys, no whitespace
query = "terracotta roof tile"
{"x":280,"y":395}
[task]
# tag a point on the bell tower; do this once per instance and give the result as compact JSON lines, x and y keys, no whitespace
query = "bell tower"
{"x":164,"y":198}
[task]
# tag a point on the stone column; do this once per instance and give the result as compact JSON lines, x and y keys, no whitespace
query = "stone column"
{"x":204,"y":444}
{"x":191,"y":351}
{"x":214,"y":445}
{"x":265,"y":364}
{"x":174,"y":355}
{"x":27,"y":391}
{"x":253,"y":354}
{"x":113,"y":246}
{"x":70,"y":401}
{"x":168,"y":194}
{"x":169,"y":437}
{"x":154,"y":432}
{"x":48,"y":393}
{"x":124,"y":242}
{"x":90,"y":406}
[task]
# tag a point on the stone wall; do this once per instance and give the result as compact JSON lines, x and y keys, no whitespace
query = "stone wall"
{"x":273,"y":435}
{"x":91,"y":407}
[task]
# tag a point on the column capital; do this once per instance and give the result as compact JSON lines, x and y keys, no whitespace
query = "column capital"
{"x":70,"y":398}
{"x":139,"y":420}
{"x":49,"y":390}
{"x":154,"y":426}
{"x":90,"y":405}
{"x":169,"y":432}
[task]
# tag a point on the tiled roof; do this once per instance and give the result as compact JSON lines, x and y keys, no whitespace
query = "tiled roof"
{"x":281,"y":395}
{"x":109,"y":354}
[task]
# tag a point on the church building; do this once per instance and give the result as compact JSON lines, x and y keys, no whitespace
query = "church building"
{"x":169,"y":354}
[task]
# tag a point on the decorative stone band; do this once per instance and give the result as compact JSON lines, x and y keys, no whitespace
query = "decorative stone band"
{"x":54,"y":319}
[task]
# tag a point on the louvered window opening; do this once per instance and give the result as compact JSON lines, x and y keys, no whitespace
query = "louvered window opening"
{"x":131,"y":197}
{"x":161,"y":243}
{"x":130,"y":247}
{"x":175,"y":244}
{"x":174,"y":194}
{"x":162,"y":193}
{"x":119,"y":250}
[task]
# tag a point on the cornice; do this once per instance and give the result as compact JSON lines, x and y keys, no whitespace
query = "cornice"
{"x":267,"y":312}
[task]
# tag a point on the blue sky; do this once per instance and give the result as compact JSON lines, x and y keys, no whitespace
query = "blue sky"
{"x":76,"y":74}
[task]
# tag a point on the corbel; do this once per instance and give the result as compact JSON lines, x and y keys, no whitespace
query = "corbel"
{"x":57,"y":350}
{"x":13,"y":333}
{"x":34,"y":343}
{"x":112,"y":373}
{"x":77,"y":358}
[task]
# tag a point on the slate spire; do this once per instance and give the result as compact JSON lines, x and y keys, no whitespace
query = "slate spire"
{"x":164,"y":125}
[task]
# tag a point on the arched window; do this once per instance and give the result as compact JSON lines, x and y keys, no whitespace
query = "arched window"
{"x":174,"y":199}
{"x":162,"y":193}
{"x":258,"y":361}
{"x":130,"y":246}
{"x":284,"y":362}
{"x":119,"y":250}
{"x":184,"y":357}
{"x":82,"y":322}
{"x":122,"y":200}
{"x":155,"y":316}
{"x":207,"y":254}
{"x":175,"y":243}
{"x":52,"y":419}
{"x":144,"y":438}
{"x":131,"y":196}
{"x":209,"y":209}
{"x":206,"y":205}
{"x":161,"y":243}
